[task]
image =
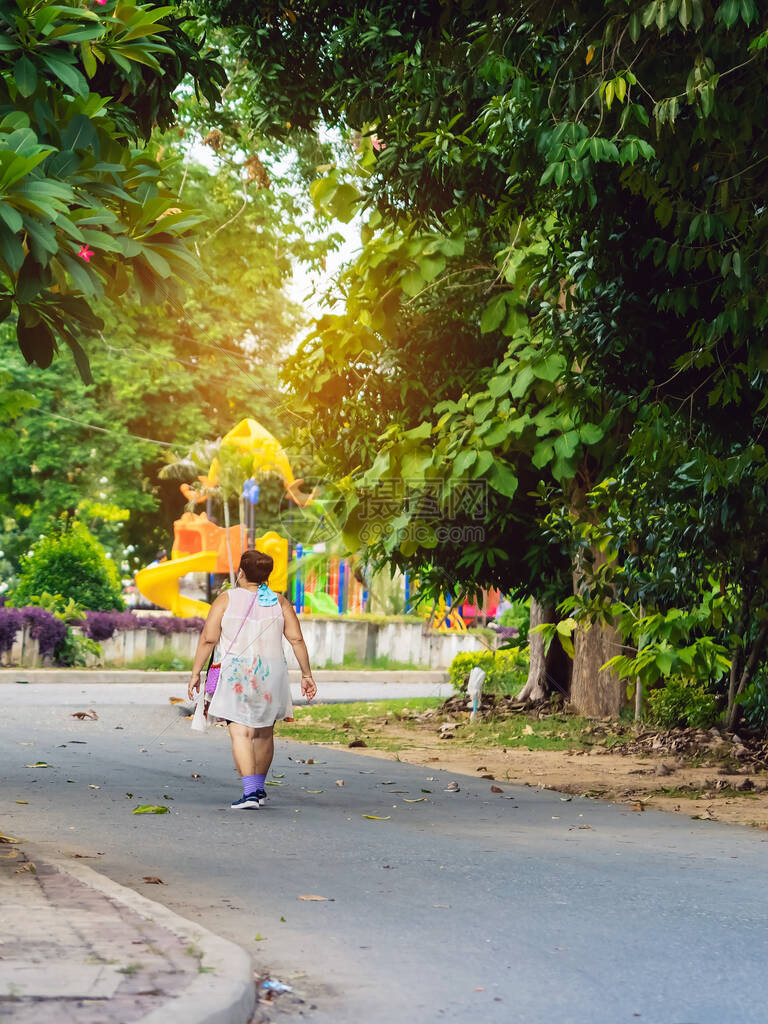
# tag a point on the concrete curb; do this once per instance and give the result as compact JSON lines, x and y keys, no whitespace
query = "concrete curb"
{"x":98,"y":675}
{"x":225,"y":996}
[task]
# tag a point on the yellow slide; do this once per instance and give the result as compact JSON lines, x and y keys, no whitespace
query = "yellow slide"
{"x":160,"y":583}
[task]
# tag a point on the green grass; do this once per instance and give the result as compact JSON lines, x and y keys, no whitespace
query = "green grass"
{"x":160,"y":661}
{"x":342,"y":723}
{"x":697,"y":792}
{"x":383,"y":662}
{"x":560,"y":732}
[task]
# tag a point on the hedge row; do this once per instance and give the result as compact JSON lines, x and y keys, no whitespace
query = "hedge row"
{"x":50,"y":631}
{"x":506,"y":671}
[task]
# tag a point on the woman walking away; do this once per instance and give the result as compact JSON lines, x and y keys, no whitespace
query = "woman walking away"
{"x":244,"y":628}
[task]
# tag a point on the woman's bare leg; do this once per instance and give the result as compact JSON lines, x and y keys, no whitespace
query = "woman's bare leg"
{"x":263,"y":746}
{"x":243,"y":748}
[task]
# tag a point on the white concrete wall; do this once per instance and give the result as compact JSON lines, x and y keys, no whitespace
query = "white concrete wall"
{"x":328,"y":640}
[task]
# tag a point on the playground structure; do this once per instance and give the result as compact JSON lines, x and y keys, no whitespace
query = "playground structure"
{"x":325,"y":585}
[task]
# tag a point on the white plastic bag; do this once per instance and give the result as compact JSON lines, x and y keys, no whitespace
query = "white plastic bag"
{"x":199,"y":721}
{"x":475,"y":688}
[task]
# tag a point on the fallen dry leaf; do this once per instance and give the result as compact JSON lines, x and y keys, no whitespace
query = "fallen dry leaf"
{"x":22,"y":801}
{"x":311,"y":898}
{"x":90,"y":713}
{"x":27,"y":866}
{"x":8,"y":839}
{"x":638,"y":805}
{"x":153,"y":880}
{"x":176,"y":700}
{"x":416,"y":800}
{"x":376,"y":817}
{"x":496,"y":789}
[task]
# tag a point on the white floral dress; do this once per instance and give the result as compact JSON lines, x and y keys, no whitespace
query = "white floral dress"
{"x":253,"y":685}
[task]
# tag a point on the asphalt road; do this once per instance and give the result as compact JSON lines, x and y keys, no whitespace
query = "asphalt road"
{"x":467,"y":906}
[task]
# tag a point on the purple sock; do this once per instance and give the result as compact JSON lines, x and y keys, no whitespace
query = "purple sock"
{"x":251,"y":783}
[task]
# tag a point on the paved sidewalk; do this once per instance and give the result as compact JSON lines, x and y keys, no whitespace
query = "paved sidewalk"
{"x":77,"y":948}
{"x":322,"y":675}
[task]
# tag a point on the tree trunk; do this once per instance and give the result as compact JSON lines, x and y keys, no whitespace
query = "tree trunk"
{"x":595,"y":692}
{"x":749,"y":670}
{"x":737,"y":654}
{"x":536,"y":687}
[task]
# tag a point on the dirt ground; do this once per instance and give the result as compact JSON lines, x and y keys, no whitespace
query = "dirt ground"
{"x":714,"y":790}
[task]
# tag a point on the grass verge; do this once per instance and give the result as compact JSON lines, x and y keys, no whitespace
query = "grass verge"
{"x":391,"y":725}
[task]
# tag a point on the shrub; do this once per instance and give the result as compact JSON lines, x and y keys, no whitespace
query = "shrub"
{"x":45,"y":628}
{"x":103,"y":625}
{"x":71,"y":563}
{"x":506,"y":670}
{"x":682,"y":702}
{"x":74,"y":649}
{"x":11,"y":622}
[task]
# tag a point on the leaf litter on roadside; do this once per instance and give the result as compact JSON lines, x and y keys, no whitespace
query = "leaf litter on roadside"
{"x":90,"y":713}
{"x":150,"y":809}
{"x":312,"y":898}
{"x":38,"y":764}
{"x":153,"y":880}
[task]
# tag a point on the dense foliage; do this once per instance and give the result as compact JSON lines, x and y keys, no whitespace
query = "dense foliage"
{"x":591,"y":176}
{"x":85,"y":212}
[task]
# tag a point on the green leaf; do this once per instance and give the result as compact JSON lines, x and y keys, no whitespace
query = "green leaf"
{"x":500,"y":384}
{"x":565,"y":444}
{"x":431,"y":266}
{"x":591,"y":433}
{"x":503,"y":479}
{"x":463,"y":461}
{"x":542,"y":454}
{"x":67,"y":74}
{"x":493,"y":314}
{"x":25,"y":76}
{"x":412,"y":282}
{"x":728,"y":12}
{"x":11,"y":249}
{"x":150,"y":809}
{"x":551,"y":368}
{"x":344,"y":202}
{"x":36,"y":342}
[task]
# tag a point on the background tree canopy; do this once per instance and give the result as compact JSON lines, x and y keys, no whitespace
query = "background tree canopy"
{"x":558,"y":304}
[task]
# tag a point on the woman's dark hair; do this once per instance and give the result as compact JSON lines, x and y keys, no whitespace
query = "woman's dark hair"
{"x":256,"y":566}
